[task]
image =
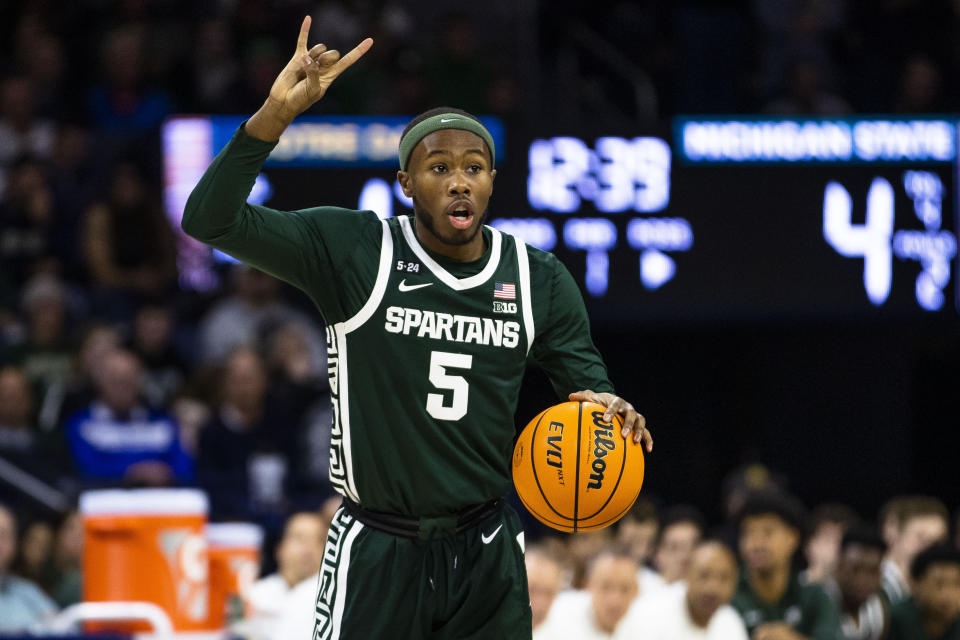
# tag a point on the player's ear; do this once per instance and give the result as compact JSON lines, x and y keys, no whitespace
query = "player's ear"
{"x":404,"y":179}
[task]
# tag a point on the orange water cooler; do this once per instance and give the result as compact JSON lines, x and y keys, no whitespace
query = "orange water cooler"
{"x":148,"y":545}
{"x":234,"y":549}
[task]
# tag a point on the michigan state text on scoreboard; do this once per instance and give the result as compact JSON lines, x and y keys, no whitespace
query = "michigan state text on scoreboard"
{"x":722,"y":218}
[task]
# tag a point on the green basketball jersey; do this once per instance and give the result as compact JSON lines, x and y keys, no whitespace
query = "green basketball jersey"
{"x":426,"y":353}
{"x":425,"y":378}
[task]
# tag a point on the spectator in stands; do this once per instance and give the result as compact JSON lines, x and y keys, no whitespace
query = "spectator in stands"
{"x":544,"y":581}
{"x":806,"y":93}
{"x":680,"y":530}
{"x":216,"y":69}
{"x":47,"y":353}
{"x":247,"y":315}
{"x":933,"y":613}
{"x":66,"y":577}
{"x":737,"y":486}
{"x":638,"y":531}
{"x":920,"y":88}
{"x":296,"y":380}
{"x":116,"y":437}
{"x":152,"y":340}
{"x":597,"y":612}
{"x":262,"y":60}
{"x":922,"y":521}
{"x":128,"y":244}
{"x":245,"y":451}
{"x":582,"y":547}
{"x":18,"y":437}
{"x":32,"y":240}
{"x":828,"y":524}
{"x":863,"y":615}
{"x":698,"y":608}
{"x":23,"y":605}
{"x":22,"y":132}
{"x":35,"y":554}
{"x":459,"y":74}
{"x":97,"y":341}
{"x":45,"y":63}
{"x":282,"y":604}
{"x":889,"y":519}
{"x":125,"y":104}
{"x":770,"y":597}
{"x":75,"y":176}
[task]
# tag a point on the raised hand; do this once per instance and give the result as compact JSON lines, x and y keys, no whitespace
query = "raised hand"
{"x":303,"y":81}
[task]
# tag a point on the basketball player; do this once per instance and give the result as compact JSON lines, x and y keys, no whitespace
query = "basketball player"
{"x":431,"y":320}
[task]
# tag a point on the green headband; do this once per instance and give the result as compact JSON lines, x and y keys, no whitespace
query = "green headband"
{"x":435,"y":123}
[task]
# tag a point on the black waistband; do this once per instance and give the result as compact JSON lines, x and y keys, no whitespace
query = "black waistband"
{"x":423,"y":528}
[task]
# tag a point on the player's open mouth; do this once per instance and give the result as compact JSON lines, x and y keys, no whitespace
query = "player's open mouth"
{"x":460,"y":215}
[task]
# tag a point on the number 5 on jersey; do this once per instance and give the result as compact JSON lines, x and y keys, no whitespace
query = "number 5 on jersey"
{"x":440,"y":362}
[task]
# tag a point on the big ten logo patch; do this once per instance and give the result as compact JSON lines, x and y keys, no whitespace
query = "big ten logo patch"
{"x":407,"y":266}
{"x":186,"y":554}
{"x":504,"y":307}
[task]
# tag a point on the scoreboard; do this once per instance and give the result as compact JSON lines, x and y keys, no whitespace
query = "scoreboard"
{"x":712,"y":220}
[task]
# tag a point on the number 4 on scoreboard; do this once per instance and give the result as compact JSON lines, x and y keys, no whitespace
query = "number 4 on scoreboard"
{"x":870,"y":240}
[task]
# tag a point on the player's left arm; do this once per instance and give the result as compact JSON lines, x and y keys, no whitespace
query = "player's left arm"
{"x":565,"y":351}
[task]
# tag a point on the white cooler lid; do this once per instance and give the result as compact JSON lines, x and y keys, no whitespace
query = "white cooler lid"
{"x":119,"y":502}
{"x":228,"y":535}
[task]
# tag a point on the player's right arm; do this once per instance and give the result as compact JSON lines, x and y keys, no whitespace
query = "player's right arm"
{"x":281,"y":243}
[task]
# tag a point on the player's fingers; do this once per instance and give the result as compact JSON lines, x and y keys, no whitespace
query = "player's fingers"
{"x":630,"y":423}
{"x":312,"y":70}
{"x":614,"y":404}
{"x":355,"y":54}
{"x":316,"y":50}
{"x":327,"y":58}
{"x":581,"y":396}
{"x":647,"y":438}
{"x":640,"y":428}
{"x":304,"y":33}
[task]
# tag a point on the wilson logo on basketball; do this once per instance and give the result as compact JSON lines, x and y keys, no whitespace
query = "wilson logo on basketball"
{"x":575,"y":472}
{"x":602,"y":444}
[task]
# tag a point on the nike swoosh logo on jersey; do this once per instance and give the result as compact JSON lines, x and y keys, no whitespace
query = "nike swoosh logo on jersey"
{"x":410,"y":287}
{"x":488,"y":539}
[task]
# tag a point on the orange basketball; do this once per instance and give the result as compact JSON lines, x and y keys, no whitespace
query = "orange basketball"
{"x":575,"y":472}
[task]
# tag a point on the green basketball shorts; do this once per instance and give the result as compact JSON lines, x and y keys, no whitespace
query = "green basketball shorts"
{"x":375,"y":585}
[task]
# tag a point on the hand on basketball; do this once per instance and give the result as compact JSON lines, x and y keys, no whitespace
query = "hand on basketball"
{"x":309,"y":73}
{"x":632,"y":421}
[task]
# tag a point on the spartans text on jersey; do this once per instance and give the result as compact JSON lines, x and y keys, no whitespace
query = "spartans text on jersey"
{"x":453,"y":328}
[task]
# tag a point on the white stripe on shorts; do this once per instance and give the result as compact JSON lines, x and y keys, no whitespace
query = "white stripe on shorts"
{"x":343,"y":569}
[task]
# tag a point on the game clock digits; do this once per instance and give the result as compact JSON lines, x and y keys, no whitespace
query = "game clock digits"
{"x":748,"y":218}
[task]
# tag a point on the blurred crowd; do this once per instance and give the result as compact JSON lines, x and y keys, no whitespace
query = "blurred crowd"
{"x":771,"y":570}
{"x":110,"y":374}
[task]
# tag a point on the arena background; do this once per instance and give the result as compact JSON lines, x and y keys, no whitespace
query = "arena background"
{"x":764,"y":347}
